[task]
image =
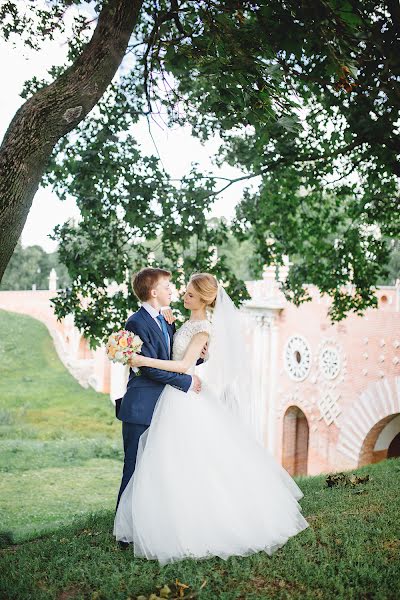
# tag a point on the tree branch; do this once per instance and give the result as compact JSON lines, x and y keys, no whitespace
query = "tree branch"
{"x":52,"y":112}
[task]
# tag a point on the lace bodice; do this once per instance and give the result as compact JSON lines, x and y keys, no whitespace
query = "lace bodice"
{"x":185,"y":333}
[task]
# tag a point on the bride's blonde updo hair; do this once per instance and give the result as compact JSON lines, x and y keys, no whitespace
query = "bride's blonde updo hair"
{"x":206,"y":286}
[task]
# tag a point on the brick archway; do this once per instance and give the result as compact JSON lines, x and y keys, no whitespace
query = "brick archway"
{"x":295,"y":441}
{"x":361,"y":424}
{"x":394,"y":447}
{"x":368,"y":454}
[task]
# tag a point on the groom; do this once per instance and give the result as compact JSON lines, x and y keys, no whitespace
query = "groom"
{"x":135,"y":410}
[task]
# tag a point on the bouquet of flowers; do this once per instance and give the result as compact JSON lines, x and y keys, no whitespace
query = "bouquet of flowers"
{"x":122,"y":345}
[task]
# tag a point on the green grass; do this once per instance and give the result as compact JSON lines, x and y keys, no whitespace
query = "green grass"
{"x":39,"y":399}
{"x":60,"y":445}
{"x":60,"y":466}
{"x":49,"y":497}
{"x":350,"y":551}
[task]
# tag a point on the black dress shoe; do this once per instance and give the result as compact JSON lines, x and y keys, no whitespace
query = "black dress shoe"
{"x":123,"y":545}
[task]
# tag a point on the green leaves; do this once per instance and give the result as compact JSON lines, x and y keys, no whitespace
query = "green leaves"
{"x":305,"y":97}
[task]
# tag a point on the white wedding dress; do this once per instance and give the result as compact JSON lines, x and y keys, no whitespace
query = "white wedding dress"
{"x":203,"y":485}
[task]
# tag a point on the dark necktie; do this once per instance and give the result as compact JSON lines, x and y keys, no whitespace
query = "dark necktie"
{"x":163,"y":324}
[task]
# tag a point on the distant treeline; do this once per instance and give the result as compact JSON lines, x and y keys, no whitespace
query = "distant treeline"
{"x":31,"y":266}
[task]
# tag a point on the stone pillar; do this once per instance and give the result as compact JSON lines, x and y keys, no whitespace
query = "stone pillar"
{"x":261,"y":372}
{"x":53,"y":281}
{"x":265,"y":364}
{"x":272,"y":383}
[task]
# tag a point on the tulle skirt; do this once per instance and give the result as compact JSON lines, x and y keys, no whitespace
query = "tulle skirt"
{"x":203,"y":486}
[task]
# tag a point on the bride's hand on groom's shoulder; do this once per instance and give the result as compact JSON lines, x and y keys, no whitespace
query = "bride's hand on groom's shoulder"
{"x":168,"y":315}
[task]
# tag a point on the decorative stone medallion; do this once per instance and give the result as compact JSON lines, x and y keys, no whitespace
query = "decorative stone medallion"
{"x":329,"y":361}
{"x":297,"y":358}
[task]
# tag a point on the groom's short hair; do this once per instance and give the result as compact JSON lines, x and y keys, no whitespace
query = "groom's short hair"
{"x":145,"y":280}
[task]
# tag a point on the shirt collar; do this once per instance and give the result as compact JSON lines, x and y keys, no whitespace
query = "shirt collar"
{"x":153,"y":312}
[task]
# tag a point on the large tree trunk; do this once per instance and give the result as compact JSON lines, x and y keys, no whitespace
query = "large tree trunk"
{"x":54,"y":111}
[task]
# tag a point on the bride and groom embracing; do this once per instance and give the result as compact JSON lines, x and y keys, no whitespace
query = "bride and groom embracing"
{"x":196,"y":482}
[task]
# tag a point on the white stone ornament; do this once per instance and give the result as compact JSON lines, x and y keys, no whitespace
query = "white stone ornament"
{"x":329,"y":361}
{"x":329,"y":408}
{"x":298,"y":400}
{"x":297,"y":358}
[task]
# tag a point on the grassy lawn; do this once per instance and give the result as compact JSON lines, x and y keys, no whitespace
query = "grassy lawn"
{"x":350,"y":551}
{"x":60,"y":463}
{"x":60,"y":445}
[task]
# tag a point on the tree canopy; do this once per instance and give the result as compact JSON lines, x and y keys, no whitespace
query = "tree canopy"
{"x":305,"y":97}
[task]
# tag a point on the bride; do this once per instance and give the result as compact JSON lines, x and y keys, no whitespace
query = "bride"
{"x":203,"y":484}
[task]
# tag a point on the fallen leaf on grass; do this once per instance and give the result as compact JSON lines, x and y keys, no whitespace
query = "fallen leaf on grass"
{"x":174,"y":591}
{"x":338,"y":479}
{"x":181,"y":588}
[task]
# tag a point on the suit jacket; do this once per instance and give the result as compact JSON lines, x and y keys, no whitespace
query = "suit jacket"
{"x":137,"y":405}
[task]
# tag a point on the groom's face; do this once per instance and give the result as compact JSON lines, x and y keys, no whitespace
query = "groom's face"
{"x":163,"y":292}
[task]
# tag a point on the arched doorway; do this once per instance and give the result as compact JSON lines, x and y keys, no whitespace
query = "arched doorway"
{"x":370,"y":423}
{"x":295,"y":441}
{"x":394,"y":447}
{"x":382,"y":441}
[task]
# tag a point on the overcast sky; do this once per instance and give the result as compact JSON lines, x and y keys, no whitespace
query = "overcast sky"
{"x":177,"y":148}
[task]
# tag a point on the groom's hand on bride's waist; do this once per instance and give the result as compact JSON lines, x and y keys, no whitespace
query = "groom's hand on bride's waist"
{"x":196,"y":384}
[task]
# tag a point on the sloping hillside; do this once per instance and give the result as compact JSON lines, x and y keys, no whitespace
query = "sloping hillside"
{"x":60,"y":446}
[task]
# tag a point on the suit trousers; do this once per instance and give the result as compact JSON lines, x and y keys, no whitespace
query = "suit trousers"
{"x":131,"y":433}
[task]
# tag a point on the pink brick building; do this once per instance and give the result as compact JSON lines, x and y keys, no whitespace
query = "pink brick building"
{"x":328,"y":394}
{"x":331,"y":391}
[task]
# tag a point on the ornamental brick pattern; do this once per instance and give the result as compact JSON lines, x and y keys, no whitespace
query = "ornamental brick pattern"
{"x":347,"y":384}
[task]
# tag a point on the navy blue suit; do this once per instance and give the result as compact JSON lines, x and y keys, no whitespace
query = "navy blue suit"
{"x":137,"y":405}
